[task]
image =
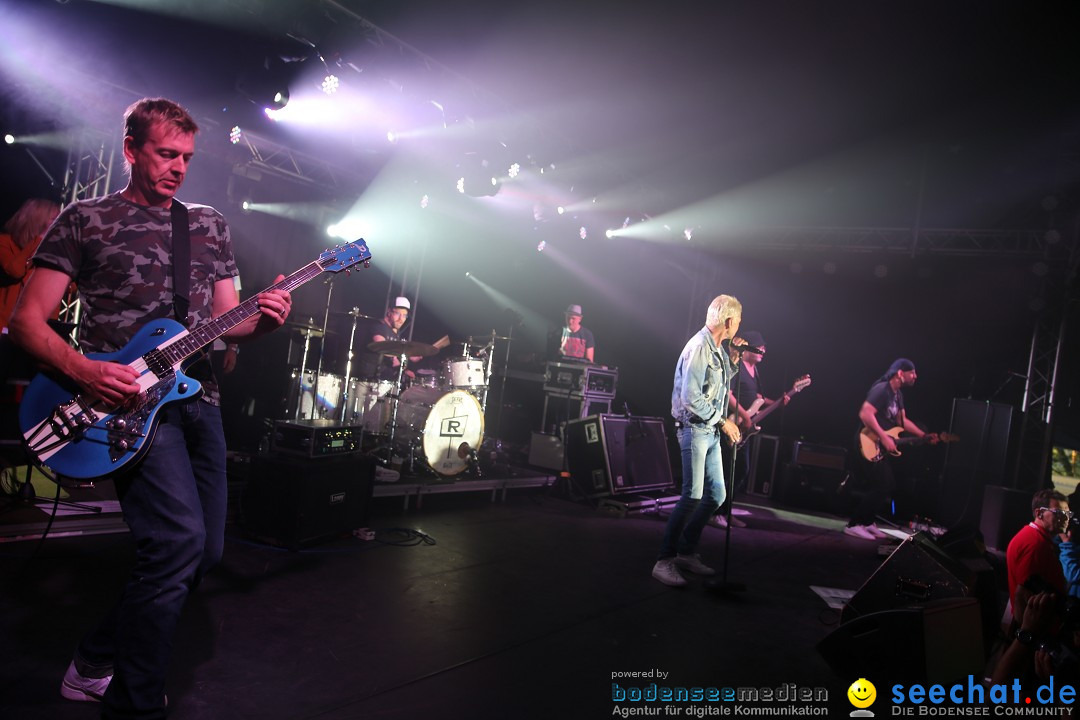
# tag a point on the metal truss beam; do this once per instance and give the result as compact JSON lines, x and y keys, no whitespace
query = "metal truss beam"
{"x":275,"y":159}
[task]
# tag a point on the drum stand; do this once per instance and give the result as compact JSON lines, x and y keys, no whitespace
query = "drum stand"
{"x":346,"y":396}
{"x":395,"y":396}
{"x":300,"y":383}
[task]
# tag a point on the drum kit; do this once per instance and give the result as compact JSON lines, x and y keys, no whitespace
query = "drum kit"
{"x":432,"y":415}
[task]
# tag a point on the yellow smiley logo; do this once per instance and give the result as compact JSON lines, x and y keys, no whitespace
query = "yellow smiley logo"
{"x":862,"y":693}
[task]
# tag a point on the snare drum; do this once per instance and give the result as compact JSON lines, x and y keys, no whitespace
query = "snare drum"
{"x":464,"y":373}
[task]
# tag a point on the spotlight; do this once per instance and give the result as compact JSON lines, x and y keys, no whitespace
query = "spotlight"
{"x":514,"y":170}
{"x":330,"y":84}
{"x":246,"y":206}
{"x":494,"y":182}
{"x":609,"y":233}
{"x":583,"y":233}
{"x":540,"y":246}
{"x":9,"y":139}
{"x":424,"y":202}
{"x":281,"y":99}
{"x":688,"y":233}
{"x":391,"y":136}
{"x":467,"y":274}
{"x":332,"y":230}
{"x":461,"y":185}
{"x":560,"y":209}
{"x":235,"y":134}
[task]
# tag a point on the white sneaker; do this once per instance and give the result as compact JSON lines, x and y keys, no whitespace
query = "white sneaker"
{"x":693,"y":564}
{"x":83,"y":689}
{"x":860,"y":531}
{"x":666,"y":572}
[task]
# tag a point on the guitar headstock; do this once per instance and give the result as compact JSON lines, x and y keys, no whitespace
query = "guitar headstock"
{"x":948,"y":437}
{"x":800,"y":384}
{"x":345,"y":256}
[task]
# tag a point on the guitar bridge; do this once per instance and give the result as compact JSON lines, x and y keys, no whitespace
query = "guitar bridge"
{"x":67,"y":422}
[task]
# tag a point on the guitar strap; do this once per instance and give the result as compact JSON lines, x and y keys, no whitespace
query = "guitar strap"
{"x":181,"y":238}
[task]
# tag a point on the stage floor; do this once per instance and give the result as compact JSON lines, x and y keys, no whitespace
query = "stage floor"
{"x":528,"y":607}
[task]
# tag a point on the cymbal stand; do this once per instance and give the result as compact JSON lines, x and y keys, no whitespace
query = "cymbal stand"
{"x":346,"y":396}
{"x":488,"y":365}
{"x":303,"y":369}
{"x":502,"y":382}
{"x":403,"y":360}
{"x":316,"y":411}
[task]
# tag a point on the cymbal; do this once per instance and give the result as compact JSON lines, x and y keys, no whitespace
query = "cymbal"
{"x":479,"y":338}
{"x":304,"y":328}
{"x":403,"y":347}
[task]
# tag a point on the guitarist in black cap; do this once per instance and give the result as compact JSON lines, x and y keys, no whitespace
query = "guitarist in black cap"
{"x":882,"y":411}
{"x":747,"y":392}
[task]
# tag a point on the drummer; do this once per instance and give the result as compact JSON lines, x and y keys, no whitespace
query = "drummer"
{"x":389,"y":328}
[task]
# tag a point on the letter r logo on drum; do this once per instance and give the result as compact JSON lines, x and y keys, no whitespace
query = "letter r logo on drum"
{"x":453,"y":426}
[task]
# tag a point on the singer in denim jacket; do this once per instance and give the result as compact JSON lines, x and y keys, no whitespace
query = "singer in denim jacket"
{"x":699,"y":400}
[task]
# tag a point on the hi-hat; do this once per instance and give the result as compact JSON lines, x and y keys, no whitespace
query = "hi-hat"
{"x":403,"y":347}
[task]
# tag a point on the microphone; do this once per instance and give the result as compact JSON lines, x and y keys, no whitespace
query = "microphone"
{"x":746,"y":348}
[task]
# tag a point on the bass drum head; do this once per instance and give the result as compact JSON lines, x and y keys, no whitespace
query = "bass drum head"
{"x":455,"y":418}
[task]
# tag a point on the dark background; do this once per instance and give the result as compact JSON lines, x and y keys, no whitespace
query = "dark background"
{"x":729,"y":117}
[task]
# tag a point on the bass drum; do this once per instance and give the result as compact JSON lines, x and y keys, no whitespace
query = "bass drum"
{"x":449,"y":422}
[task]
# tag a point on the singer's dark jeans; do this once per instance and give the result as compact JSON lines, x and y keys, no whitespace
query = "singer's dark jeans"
{"x":174,"y":505}
{"x":702,"y":489}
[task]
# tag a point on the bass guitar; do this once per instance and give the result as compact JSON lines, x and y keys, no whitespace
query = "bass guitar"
{"x":82,"y":438}
{"x":870,"y":443}
{"x":755,"y":416}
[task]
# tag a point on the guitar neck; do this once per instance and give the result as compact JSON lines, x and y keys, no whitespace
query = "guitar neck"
{"x":195,"y":339}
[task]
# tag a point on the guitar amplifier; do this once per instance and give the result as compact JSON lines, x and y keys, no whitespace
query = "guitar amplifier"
{"x":819,"y":456}
{"x":315,"y":438}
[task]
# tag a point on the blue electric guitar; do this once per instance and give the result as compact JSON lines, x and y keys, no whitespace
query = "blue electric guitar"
{"x":81,"y":438}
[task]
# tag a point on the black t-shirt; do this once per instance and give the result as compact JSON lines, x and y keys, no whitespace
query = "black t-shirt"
{"x":888,"y":404}
{"x":747,"y":387}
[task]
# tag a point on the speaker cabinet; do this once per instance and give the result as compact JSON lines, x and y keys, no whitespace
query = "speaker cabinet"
{"x":920,"y":572}
{"x":984,"y":456}
{"x":1004,"y":512}
{"x":614,"y":454}
{"x":292,"y":502}
{"x":917,"y":572}
{"x":940,"y":642}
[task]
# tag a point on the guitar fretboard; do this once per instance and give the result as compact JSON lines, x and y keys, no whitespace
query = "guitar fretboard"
{"x":187,"y":345}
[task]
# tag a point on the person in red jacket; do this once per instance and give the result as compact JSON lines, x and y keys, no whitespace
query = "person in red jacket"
{"x":1033,"y":553}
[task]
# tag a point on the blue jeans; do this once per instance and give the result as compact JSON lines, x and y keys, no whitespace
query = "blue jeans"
{"x":174,"y":503}
{"x":703,"y":490}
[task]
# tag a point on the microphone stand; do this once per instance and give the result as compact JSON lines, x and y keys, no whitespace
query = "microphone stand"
{"x":723,"y":585}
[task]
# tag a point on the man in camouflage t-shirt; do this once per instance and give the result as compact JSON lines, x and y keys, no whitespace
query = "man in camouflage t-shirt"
{"x":118,"y":250}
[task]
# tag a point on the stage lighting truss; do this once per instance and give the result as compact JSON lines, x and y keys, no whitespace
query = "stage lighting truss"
{"x":270,"y":157}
